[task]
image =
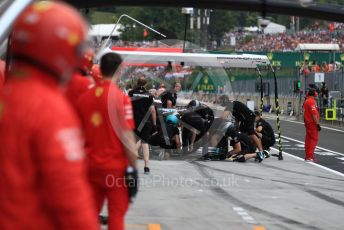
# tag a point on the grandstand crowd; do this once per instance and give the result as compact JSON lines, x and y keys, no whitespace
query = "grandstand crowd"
{"x":258,"y":41}
{"x":287,"y":42}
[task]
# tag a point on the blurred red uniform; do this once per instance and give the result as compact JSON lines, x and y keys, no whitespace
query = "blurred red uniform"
{"x":78,"y":85}
{"x":104,"y":108}
{"x":41,"y":154}
{"x":42,"y":169}
{"x":312,"y":134}
{"x":96,"y":74}
{"x":2,"y":73}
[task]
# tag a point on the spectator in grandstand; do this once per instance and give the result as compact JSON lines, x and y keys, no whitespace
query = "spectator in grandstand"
{"x":304,"y":69}
{"x":332,"y":66}
{"x":315,"y":67}
{"x":108,"y":122}
{"x":42,"y":167}
{"x":324,"y":67}
{"x":265,"y":133}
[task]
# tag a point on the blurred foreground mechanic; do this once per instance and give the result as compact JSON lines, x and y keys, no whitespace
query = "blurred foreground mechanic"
{"x":80,"y":82}
{"x":95,"y":74}
{"x":42,"y":169}
{"x":107,"y":118}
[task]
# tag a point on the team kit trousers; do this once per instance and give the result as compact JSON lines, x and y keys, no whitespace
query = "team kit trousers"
{"x":311,"y":140}
{"x":110,"y":185}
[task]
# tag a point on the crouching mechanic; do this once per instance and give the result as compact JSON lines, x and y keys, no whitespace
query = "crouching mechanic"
{"x":107,"y":117}
{"x":193,"y":125}
{"x":168,"y":136}
{"x":244,"y":116}
{"x":243,"y":148}
{"x":265,"y":132}
{"x":42,"y":168}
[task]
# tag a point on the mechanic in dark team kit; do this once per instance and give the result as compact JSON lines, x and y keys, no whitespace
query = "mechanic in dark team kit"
{"x":244,"y":116}
{"x":169,"y":97}
{"x":145,"y":117}
{"x":265,"y":132}
{"x":193,"y":125}
{"x":243,"y":148}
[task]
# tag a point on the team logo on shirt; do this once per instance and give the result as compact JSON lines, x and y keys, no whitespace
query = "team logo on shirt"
{"x":98,"y":91}
{"x":96,"y":119}
{"x":128,"y":111}
{"x":70,"y":139}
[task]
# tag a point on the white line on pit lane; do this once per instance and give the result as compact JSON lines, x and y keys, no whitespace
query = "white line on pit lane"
{"x":321,"y":148}
{"x":244,"y":215}
{"x":298,"y":122}
{"x":312,"y":163}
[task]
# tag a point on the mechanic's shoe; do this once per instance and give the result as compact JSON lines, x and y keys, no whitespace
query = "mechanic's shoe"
{"x":146,"y":170}
{"x":260,"y":156}
{"x":266,"y":153}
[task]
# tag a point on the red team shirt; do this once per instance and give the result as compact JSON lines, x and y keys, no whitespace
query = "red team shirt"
{"x":42,"y":171}
{"x":76,"y":87}
{"x":310,"y":108}
{"x":106,"y":112}
{"x":2,"y":73}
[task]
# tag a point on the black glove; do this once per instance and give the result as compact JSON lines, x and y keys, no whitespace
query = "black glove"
{"x":132,"y":182}
{"x":319,"y":127}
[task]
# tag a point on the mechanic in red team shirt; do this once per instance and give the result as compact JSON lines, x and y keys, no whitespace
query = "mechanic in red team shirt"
{"x":42,"y":167}
{"x":2,"y":73}
{"x":95,"y":74}
{"x":80,"y":82}
{"x":107,"y":118}
{"x":311,"y":120}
